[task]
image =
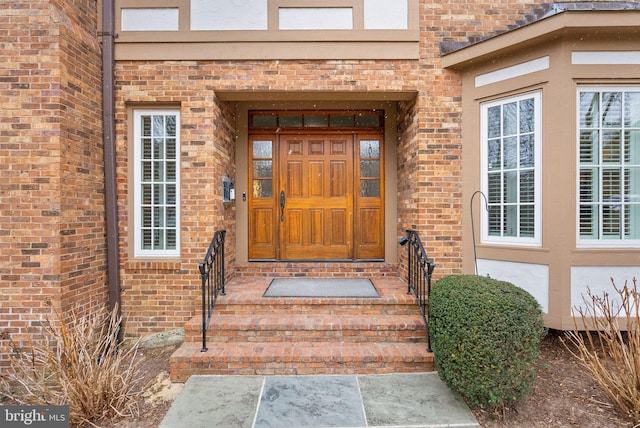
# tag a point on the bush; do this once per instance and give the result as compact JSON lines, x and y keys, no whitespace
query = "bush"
{"x":485,"y":336}
{"x":611,"y":351}
{"x":80,"y":364}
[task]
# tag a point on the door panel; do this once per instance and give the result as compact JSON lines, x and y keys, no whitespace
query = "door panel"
{"x":318,"y":214}
{"x":263,"y":216}
{"x":333,"y":197}
{"x":369,"y":170}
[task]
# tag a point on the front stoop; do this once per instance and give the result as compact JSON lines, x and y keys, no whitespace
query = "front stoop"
{"x":254,"y":335}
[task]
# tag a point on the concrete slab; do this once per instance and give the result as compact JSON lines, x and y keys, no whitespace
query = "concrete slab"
{"x":416,"y":400}
{"x":215,"y":401}
{"x":310,"y":401}
{"x":412,"y":399}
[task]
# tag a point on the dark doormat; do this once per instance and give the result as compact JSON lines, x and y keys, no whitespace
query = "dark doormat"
{"x":321,"y":287}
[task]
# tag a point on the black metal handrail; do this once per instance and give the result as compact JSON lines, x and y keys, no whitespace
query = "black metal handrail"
{"x":212,"y":274}
{"x":419,"y":271}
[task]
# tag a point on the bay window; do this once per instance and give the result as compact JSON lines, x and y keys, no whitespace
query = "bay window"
{"x":511,"y":171}
{"x":609,"y":166}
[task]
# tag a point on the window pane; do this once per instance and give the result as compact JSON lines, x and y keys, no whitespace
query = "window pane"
{"x":146,"y":148}
{"x":146,"y":194}
{"x":527,"y":151}
{"x":632,"y":109}
{"x":158,"y":126}
{"x":291,"y":121}
{"x":589,"y":188}
{"x":158,"y":171}
{"x":589,"y":147}
{"x":589,"y":110}
{"x":611,"y":109}
{"x":511,"y":187}
{"x":370,"y":169}
{"x":493,"y":122}
{"x":511,"y":222}
{"x":510,"y":153}
{"x":495,"y":155}
{"x":146,"y":239}
{"x":262,"y":149}
{"x":589,"y":221}
{"x":370,"y":149}
{"x":320,"y":120}
{"x":527,"y":116}
{"x":171,"y":171}
{"x":171,"y":217}
{"x":341,"y":121}
{"x":527,"y":221}
{"x":262,"y":189}
{"x":527,"y":186}
{"x":611,"y":147}
{"x":370,"y":188}
{"x":265,"y":121}
{"x":171,"y":148}
{"x":146,"y":126}
{"x":158,"y":148}
{"x":171,"y":194}
{"x":171,"y":126}
{"x":367,"y":121}
{"x":632,"y":147}
{"x":495,"y":188}
{"x":171,"y":239}
{"x":494,"y":221}
{"x":262,"y":169}
{"x":146,"y":217}
{"x":509,"y":119}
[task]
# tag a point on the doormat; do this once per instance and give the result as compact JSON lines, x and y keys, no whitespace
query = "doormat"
{"x":321,"y":287}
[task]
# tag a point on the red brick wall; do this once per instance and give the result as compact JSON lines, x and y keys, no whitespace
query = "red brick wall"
{"x":51,"y":203}
{"x":159,"y":296}
{"x":162,"y":296}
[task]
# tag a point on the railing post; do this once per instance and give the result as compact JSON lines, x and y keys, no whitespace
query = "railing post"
{"x":203,"y":276}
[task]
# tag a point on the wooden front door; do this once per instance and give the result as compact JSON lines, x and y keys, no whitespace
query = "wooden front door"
{"x":316,"y":197}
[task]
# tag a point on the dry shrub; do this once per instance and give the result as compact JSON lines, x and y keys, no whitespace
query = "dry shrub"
{"x":81,"y":364}
{"x":610,"y":348}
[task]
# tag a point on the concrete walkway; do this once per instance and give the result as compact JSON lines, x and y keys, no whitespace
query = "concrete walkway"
{"x":413,"y":400}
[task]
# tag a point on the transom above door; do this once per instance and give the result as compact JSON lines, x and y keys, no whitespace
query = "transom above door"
{"x":316,"y":186}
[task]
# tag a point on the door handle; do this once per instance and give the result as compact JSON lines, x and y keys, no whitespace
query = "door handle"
{"x":283,"y":200}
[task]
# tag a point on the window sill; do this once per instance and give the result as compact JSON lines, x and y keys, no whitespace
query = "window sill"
{"x":154,"y":264}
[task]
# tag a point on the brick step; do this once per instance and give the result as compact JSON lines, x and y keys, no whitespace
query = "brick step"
{"x":283,"y":327}
{"x":328,"y":306}
{"x":300,"y":358}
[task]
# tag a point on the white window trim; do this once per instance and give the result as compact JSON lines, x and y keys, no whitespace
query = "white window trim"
{"x":137,"y":194}
{"x":596,"y":243}
{"x":536,"y":240}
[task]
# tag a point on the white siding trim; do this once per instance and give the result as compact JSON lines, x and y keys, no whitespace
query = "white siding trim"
{"x":609,"y":57}
{"x":598,"y":280}
{"x":513,"y":71}
{"x":532,"y":278}
{"x":156,"y":19}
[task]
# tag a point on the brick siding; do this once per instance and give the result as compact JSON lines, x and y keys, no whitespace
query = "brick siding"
{"x":52,"y":246}
{"x":51,"y":189}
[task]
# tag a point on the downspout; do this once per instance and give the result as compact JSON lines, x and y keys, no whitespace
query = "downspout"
{"x":108,"y":123}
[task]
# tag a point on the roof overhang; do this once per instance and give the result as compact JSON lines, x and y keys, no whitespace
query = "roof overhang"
{"x":625,"y":23}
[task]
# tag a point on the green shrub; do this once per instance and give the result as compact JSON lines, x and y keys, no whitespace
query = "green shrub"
{"x":485,"y":336}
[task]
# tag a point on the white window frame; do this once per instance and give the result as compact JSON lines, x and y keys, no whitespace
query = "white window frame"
{"x":139,"y":251}
{"x":599,"y":242}
{"x":536,"y":239}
